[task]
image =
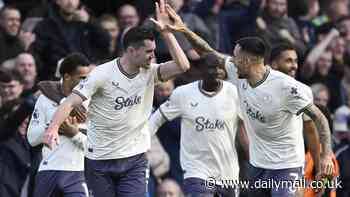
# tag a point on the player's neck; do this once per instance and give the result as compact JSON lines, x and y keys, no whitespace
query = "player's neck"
{"x":211,"y":85}
{"x":127,"y":66}
{"x":257,"y":75}
{"x":66,"y":90}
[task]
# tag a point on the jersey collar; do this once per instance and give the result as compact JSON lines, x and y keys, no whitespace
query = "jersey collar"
{"x":266,"y":74}
{"x":206,"y":93}
{"x":129,"y":76}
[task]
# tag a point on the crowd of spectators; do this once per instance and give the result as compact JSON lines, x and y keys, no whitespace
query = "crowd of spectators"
{"x":35,"y":35}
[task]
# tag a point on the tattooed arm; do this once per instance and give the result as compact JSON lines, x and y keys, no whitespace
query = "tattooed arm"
{"x":322,"y":126}
{"x":199,"y":44}
{"x":312,"y":142}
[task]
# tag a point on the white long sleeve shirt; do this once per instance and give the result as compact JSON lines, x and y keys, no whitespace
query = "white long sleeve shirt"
{"x":69,"y":154}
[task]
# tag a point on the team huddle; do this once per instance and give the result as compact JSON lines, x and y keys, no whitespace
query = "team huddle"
{"x":98,"y":129}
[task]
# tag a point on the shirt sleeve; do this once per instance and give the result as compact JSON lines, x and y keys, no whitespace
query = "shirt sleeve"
{"x":89,"y":86}
{"x":306,"y":118}
{"x":231,"y":70}
{"x":298,"y":96}
{"x":239,"y":111}
{"x":155,"y":69}
{"x":37,"y":124}
{"x":172,"y":107}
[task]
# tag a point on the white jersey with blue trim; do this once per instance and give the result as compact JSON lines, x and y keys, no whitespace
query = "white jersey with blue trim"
{"x":208,"y":130}
{"x":271,"y":113}
{"x":68,"y":155}
{"x":119,"y":109}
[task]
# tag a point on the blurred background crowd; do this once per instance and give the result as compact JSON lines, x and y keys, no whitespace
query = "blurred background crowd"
{"x":36,"y":34}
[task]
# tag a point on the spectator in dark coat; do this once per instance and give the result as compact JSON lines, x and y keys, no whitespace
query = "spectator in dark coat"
{"x":278,"y":27}
{"x":15,"y":153}
{"x":342,"y":150}
{"x":67,"y":29}
{"x":10,"y":22}
{"x":231,"y":22}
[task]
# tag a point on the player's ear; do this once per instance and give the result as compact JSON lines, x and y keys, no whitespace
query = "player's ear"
{"x":130,"y":50}
{"x":66,"y":77}
{"x":273,"y":65}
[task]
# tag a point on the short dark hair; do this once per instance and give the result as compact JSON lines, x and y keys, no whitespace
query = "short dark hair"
{"x":324,"y":28}
{"x":207,"y":59}
{"x":279,"y":49}
{"x":136,"y":35}
{"x":8,"y":75}
{"x":341,"y":19}
{"x":253,"y":45}
{"x":7,"y":7}
{"x":72,"y":62}
{"x":108,"y":18}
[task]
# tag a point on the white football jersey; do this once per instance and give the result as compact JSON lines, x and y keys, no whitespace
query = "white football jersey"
{"x":208,"y":130}
{"x":271,"y":116}
{"x":69,"y":154}
{"x":119,"y":108}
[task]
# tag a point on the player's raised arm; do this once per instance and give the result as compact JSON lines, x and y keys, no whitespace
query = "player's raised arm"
{"x":200,"y":45}
{"x":180,"y":62}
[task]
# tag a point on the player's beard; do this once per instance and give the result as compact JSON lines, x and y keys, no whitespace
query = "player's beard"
{"x":146,"y":64}
{"x":292,"y":72}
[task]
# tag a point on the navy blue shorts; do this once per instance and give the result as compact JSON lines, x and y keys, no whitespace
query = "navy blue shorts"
{"x":196,"y":187}
{"x":60,"y":183}
{"x":274,"y":183}
{"x":124,"y":177}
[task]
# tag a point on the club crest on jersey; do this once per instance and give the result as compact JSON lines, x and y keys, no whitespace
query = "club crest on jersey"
{"x":127,"y":102}
{"x":205,"y":123}
{"x":254,"y":113}
{"x":294,"y":91}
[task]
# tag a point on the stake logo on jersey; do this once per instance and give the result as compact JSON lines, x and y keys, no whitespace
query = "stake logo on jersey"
{"x":127,"y":102}
{"x":254,"y":114}
{"x":205,"y":123}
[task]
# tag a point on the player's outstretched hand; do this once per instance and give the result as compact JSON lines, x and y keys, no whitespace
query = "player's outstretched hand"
{"x":51,"y":137}
{"x":162,"y":17}
{"x":327,"y":166}
{"x":177,"y":24}
{"x":319,"y":191}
